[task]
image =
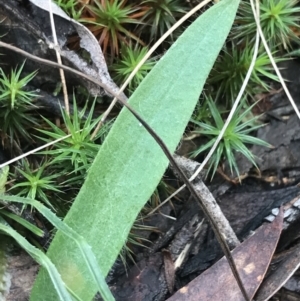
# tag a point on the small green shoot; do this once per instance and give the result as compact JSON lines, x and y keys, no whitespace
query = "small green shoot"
{"x":231,"y":68}
{"x":129,"y":58}
{"x":235,"y":139}
{"x":3,"y":212}
{"x":36,"y":184}
{"x":160,"y":15}
{"x":16,"y":103}
{"x":77,"y":152}
{"x":108,"y":22}
{"x":279,"y":20}
{"x":71,"y":7}
{"x":11,"y":89}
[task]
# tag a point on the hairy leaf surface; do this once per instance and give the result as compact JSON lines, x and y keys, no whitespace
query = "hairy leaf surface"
{"x":130,"y":164}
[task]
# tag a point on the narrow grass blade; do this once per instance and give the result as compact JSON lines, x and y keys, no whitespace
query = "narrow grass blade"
{"x":41,"y":258}
{"x":37,"y":231}
{"x":85,"y":249}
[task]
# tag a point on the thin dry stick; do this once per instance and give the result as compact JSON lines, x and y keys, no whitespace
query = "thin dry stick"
{"x":256,"y":16}
{"x":61,"y":71}
{"x":33,"y":151}
{"x":165,"y":149}
{"x":144,"y":59}
{"x":221,"y":134}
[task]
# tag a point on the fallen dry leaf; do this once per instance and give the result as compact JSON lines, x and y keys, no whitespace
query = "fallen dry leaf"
{"x":252,"y":259}
{"x":280,"y":276}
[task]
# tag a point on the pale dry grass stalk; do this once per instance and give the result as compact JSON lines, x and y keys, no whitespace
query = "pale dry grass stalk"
{"x":59,"y":61}
{"x":263,"y":39}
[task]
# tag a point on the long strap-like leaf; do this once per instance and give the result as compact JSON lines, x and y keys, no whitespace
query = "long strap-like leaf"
{"x":130,"y":163}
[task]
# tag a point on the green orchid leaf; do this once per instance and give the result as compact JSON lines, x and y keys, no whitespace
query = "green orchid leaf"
{"x":130,"y":164}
